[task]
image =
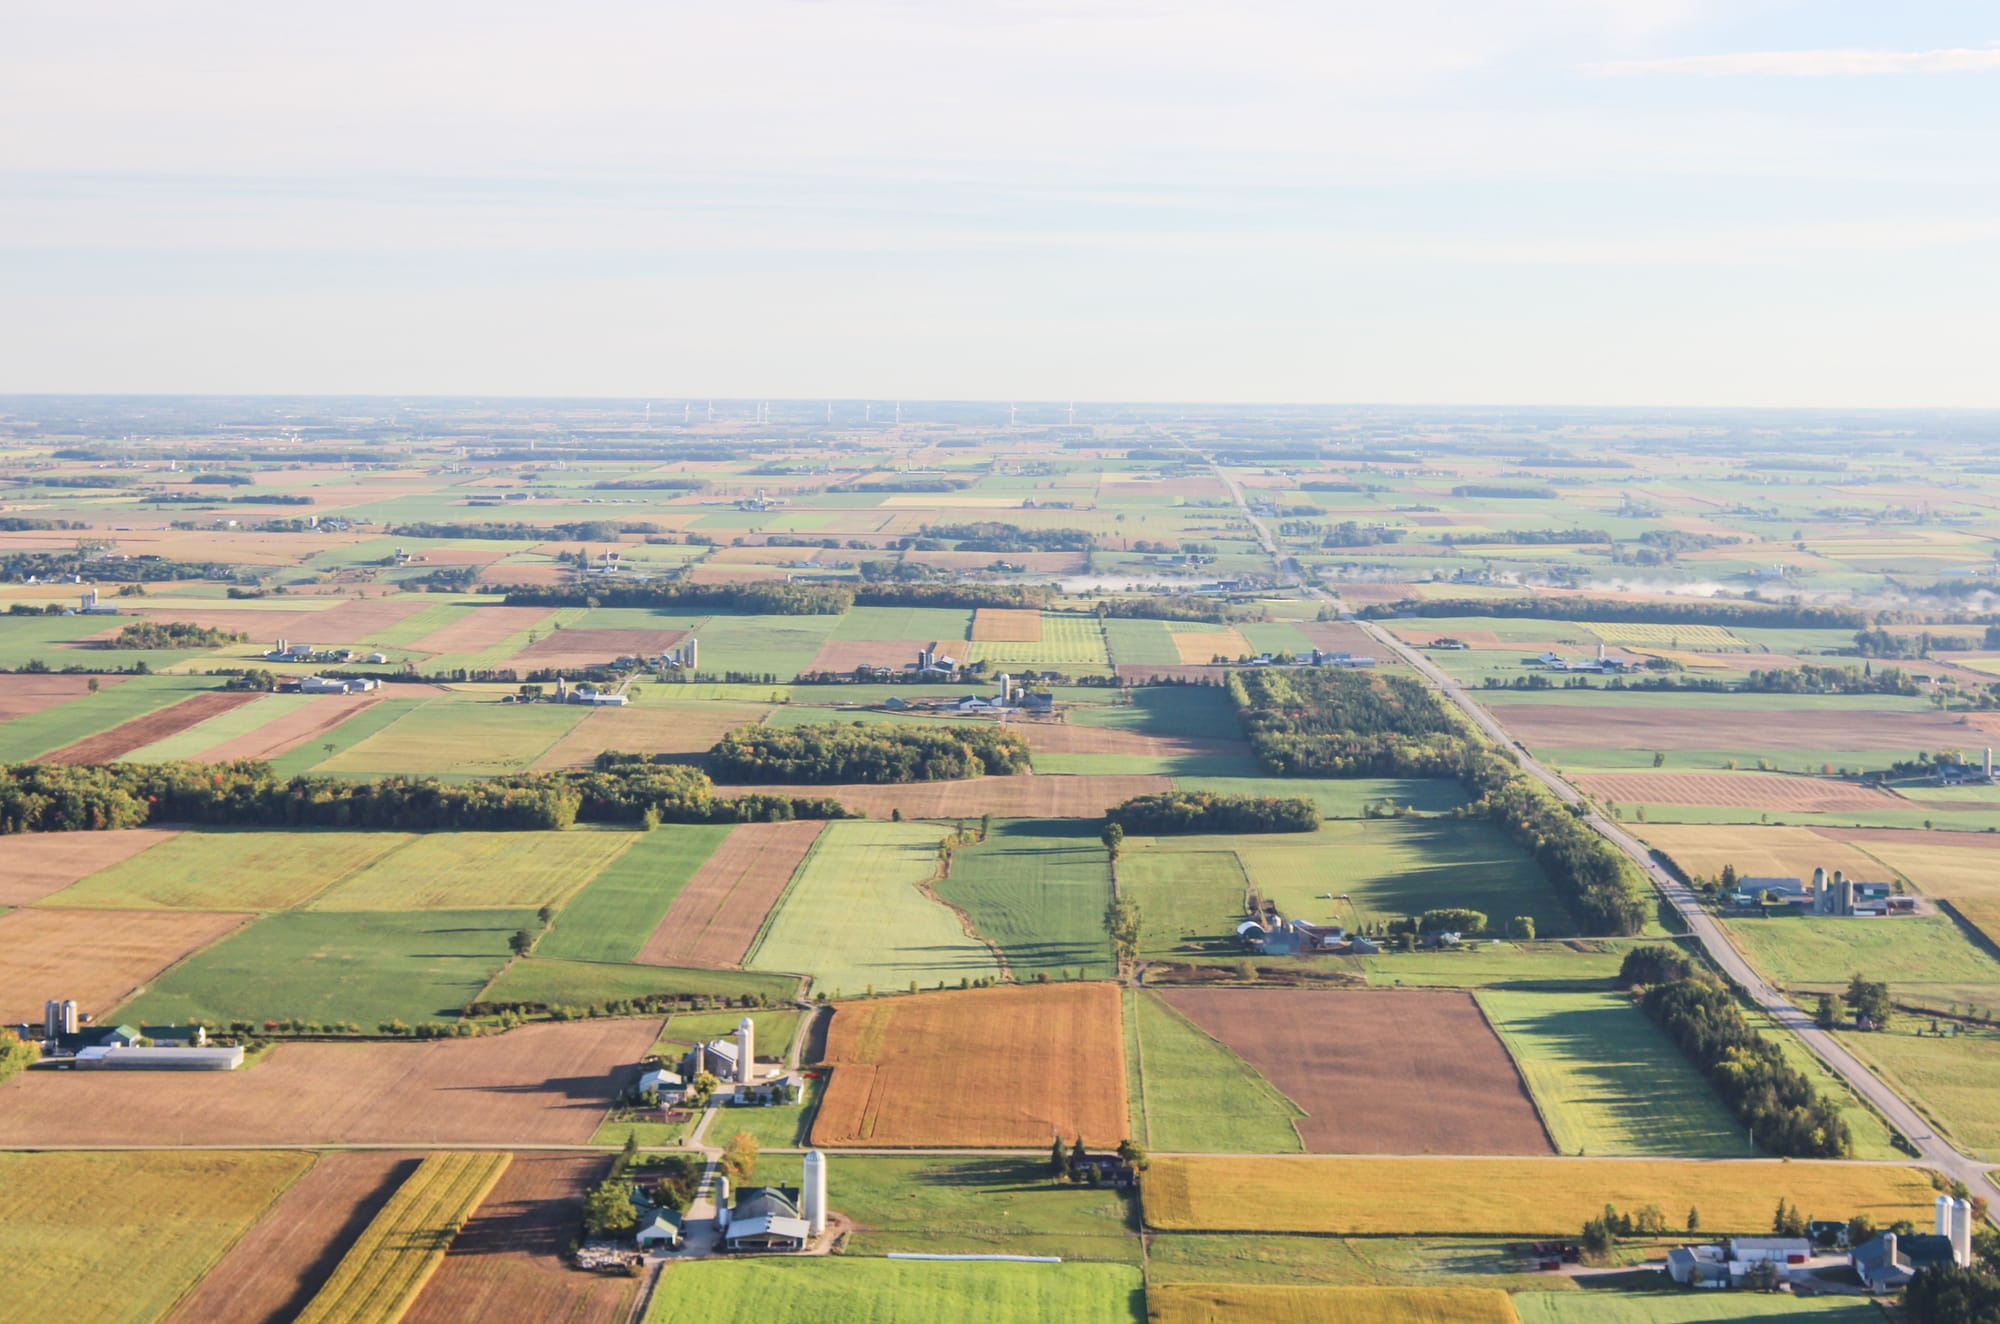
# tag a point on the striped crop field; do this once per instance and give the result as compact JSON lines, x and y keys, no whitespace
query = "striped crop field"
{"x":389,"y":1264}
{"x":1201,"y":1303}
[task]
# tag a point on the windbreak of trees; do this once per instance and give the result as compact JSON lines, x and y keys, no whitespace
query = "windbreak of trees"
{"x":173,"y":634}
{"x":765,"y":598}
{"x":880,"y":752}
{"x":994,"y":536}
{"x":598,"y":530}
{"x":1202,"y":811}
{"x":1528,"y":537}
{"x":1784,"y":1112}
{"x":1809,"y":679}
{"x":1706,"y":611}
{"x":37,"y":797}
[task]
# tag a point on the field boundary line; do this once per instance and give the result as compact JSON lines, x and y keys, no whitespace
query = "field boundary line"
{"x":1262,"y":1079}
{"x":927,"y":888}
{"x":1514,"y":1056}
{"x":391,"y":725}
{"x":1132,"y":996}
{"x":223,"y":1252}
{"x":756,"y":946}
{"x":247,"y":918}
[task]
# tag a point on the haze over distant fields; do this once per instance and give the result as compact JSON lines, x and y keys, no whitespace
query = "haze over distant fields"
{"x":1750,"y":202}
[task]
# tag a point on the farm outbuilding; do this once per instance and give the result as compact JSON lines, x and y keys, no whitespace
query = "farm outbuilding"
{"x":106,"y":1057}
{"x":766,"y":1218}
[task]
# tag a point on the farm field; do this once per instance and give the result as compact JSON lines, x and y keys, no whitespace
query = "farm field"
{"x":468,"y":870}
{"x":1923,"y":956}
{"x":459,"y":736}
{"x":1190,"y":901}
{"x":329,"y":966}
{"x":855,"y":919}
{"x":94,"y":957}
{"x":1289,"y":1260}
{"x":652,"y":724}
{"x":542,"y":1084}
{"x":1190,"y":1303}
{"x":509,"y":1257}
{"x":39,"y":864}
{"x":308,"y":755}
{"x":1346,"y":797}
{"x":864,"y":1291}
{"x":938,"y":1204}
{"x":1023,"y":795}
{"x":270,"y":1275}
{"x":1339,"y":1054}
{"x":1756,"y":851}
{"x":1067,"y":642}
{"x":1736,"y":790}
{"x":714,"y":917}
{"x":996,"y":1067}
{"x":1606,"y":1080}
{"x":129,"y":738}
{"x":1959,"y":865}
{"x":161,"y":1220}
{"x":625,"y":900}
{"x":44,"y":730}
{"x":1510,"y":1197}
{"x":1954,"y":1080}
{"x":286,"y":729}
{"x":1038,"y":890}
{"x":24,"y":693}
{"x":1751,"y":727}
{"x":1571,"y":963}
{"x":1005,"y":625}
{"x":226,"y":727}
{"x":231,"y":870}
{"x":1077,"y":748}
{"x":550,"y":982}
{"x":404,"y":1243}
{"x":1189,"y":1093}
{"x":1681,"y":1307}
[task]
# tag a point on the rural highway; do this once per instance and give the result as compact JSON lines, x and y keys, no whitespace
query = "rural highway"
{"x":1933,"y":1150}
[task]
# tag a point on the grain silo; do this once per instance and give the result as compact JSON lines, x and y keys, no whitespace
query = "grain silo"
{"x":69,"y":1016}
{"x":746,"y":1044}
{"x":815,"y":1192}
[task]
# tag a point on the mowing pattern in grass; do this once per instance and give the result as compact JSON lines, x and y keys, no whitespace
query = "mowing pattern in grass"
{"x":465,"y":870}
{"x":1198,"y":1303}
{"x":324,"y":967}
{"x":1190,"y":901}
{"x":231,"y":871}
{"x":459,"y":735}
{"x":1038,"y":888}
{"x":858,"y":1291}
{"x":1605,"y":1078}
{"x":118,"y":1237}
{"x":855,"y":919}
{"x":1583,"y":963}
{"x":1198,"y":1096}
{"x":580,"y":983}
{"x":1068,"y":641}
{"x":1509,"y":1197}
{"x":618,"y":910}
{"x":1682,"y":1307}
{"x":384,"y":1270}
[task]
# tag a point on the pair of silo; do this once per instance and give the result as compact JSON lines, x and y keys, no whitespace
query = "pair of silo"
{"x":1954,"y":1221}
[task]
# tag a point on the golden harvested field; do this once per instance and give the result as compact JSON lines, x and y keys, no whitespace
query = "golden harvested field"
{"x":1239,"y":1303}
{"x":1964,"y":866}
{"x":647,"y":727}
{"x":268,"y":1276}
{"x":463,"y":870}
{"x":715,"y":917}
{"x":1760,"y":852}
{"x":97,"y":957}
{"x":1007,"y":625}
{"x":1982,"y":913}
{"x":1006,"y":1066}
{"x":1020,"y":796}
{"x":540,"y":1084}
{"x":1736,"y":790}
{"x":1198,"y":647}
{"x":118,"y":1237}
{"x":1713,"y":638}
{"x":1509,"y":1197}
{"x":35,"y":864}
{"x":389,"y":1263}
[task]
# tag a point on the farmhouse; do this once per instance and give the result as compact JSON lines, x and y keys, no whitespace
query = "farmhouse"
{"x":659,"y":1227}
{"x":600,"y":698}
{"x":1273,"y":936}
{"x":1889,"y":1261}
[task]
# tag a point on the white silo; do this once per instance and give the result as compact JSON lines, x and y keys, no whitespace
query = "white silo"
{"x":815,"y":1192}
{"x":69,"y":1016}
{"x":746,"y":1055}
{"x":1941,"y":1216}
{"x":1961,"y":1232}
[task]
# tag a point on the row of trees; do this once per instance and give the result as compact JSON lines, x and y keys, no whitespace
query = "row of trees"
{"x":37,"y":797}
{"x":994,"y":536}
{"x":775,"y":598}
{"x":878,"y":752}
{"x":1170,"y":812}
{"x":1704,"y":611}
{"x":1784,"y":1112}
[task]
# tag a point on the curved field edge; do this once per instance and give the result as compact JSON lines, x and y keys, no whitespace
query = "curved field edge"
{"x":402,"y":1247}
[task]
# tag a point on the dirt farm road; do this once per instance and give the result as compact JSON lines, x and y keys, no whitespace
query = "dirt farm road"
{"x":1933,"y":1150}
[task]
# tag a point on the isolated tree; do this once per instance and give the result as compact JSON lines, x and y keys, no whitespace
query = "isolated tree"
{"x":1113,"y":837}
{"x":1058,"y":1158}
{"x":1827,"y":1015}
{"x":327,"y":748}
{"x":1869,"y":999}
{"x":522,"y":942}
{"x":91,"y":684}
{"x":545,"y":914}
{"x":1694,"y":1219}
{"x":739,"y":1158}
{"x":608,"y":1211}
{"x":1522,"y":927}
{"x":1121,"y":920}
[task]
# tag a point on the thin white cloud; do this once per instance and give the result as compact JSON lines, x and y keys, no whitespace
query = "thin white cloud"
{"x":1809,"y":64}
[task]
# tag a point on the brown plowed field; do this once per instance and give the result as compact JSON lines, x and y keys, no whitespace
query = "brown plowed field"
{"x":579,"y":648}
{"x":293,"y":729}
{"x":1738,"y":725}
{"x":268,"y":1276}
{"x":1015,"y":625}
{"x":689,"y":729}
{"x":355,"y":620}
{"x":95,"y":956}
{"x":1377,"y":1072}
{"x":710,"y":924}
{"x":1065,"y":738}
{"x":259,"y":625}
{"x":1341,"y":637}
{"x":481,"y":628}
{"x":847,"y":654}
{"x":122,"y":739}
{"x":35,"y":864}
{"x":1012,"y":1066}
{"x":508,"y":1262}
{"x":1019,"y":796}
{"x":545,"y":1084}
{"x":21,"y":695}
{"x":1736,"y":790}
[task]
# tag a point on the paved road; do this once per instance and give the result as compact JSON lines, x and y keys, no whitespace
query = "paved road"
{"x":1934,"y":1150}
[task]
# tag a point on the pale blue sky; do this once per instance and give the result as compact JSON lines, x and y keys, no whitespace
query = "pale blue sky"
{"x":1750,"y":202}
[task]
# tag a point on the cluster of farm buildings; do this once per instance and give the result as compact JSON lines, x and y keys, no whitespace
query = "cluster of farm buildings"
{"x":67,"y":1037}
{"x":1837,"y":895}
{"x":1883,"y":1263}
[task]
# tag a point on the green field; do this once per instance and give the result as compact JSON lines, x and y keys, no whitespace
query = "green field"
{"x":1606,"y":1080}
{"x":854,"y":919}
{"x":1039,"y":889}
{"x":1190,"y":901}
{"x":754,"y":645}
{"x":458,"y":734}
{"x":466,"y":870}
{"x":1954,"y":1080}
{"x":858,"y":1291}
{"x":1343,"y":797}
{"x":582,"y":983}
{"x":918,"y":625}
{"x":237,"y":721}
{"x":617,"y":911}
{"x":36,"y":734}
{"x":1574,"y":963}
{"x":1191,"y":712}
{"x":1069,"y":642}
{"x":231,"y":870}
{"x":1140,"y":643}
{"x":346,"y":736}
{"x":1671,"y":1306}
{"x":1926,"y":957}
{"x":331,"y":967}
{"x":70,"y":1224}
{"x":684,"y":1029}
{"x":1345,"y":1261}
{"x":1198,"y":1096}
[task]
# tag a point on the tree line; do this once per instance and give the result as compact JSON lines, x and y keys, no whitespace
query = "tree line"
{"x":1785,"y":1113}
{"x":994,"y":536}
{"x":879,"y":752}
{"x":1706,"y":611}
{"x":1170,"y":812}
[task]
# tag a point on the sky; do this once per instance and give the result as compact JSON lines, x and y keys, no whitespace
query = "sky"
{"x":1611,"y":202}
